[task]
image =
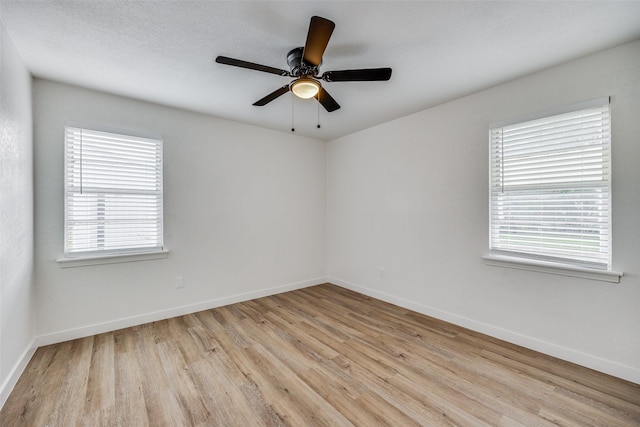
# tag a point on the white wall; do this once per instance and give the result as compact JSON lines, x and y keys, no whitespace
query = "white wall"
{"x":245,"y":213}
{"x":17,"y":308}
{"x":411,"y":196}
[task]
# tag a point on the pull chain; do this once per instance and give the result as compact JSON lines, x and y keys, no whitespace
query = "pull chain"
{"x":318,"y":114}
{"x":293,"y":129}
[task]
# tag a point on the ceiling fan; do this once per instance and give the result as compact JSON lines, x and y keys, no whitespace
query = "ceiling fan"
{"x":304,"y":63}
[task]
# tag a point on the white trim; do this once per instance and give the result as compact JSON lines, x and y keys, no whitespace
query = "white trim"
{"x":127,"y":171}
{"x":12,"y":379}
{"x":111,"y":259}
{"x":98,"y":328}
{"x":592,"y":103}
{"x":552,"y":268}
{"x":609,"y":367}
{"x":550,"y":187}
{"x":107,"y":129}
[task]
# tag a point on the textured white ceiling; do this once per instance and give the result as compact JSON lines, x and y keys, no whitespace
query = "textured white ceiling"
{"x":164,"y":51}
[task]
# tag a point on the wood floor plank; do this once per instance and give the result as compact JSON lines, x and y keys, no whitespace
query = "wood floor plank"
{"x":161,"y":404}
{"x":226,"y":392}
{"x":100,"y":396}
{"x":181,"y":384}
{"x":322,"y":355}
{"x":415,"y":408}
{"x":294,"y":401}
{"x":42,"y":375}
{"x":130,"y":406}
{"x":576,"y":391}
{"x":73,"y":385}
{"x":339,"y":394}
{"x":384,"y":411}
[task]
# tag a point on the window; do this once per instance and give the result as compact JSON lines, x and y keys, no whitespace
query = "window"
{"x":113,"y":193}
{"x":551,"y":188}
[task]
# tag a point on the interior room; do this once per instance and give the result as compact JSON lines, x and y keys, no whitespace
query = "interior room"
{"x":376,"y":211}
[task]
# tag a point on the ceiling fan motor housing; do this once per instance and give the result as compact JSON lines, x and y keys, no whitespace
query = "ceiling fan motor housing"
{"x":298,"y":66}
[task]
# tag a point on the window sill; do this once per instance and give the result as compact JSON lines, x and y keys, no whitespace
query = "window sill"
{"x":552,"y":268}
{"x":110,"y":259}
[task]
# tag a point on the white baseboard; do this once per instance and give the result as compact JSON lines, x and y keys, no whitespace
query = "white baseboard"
{"x":8,"y":385}
{"x":625,"y":372}
{"x":98,"y":328}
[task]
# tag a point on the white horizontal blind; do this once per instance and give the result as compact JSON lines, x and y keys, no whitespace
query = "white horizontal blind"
{"x":551,"y":188}
{"x":113,"y":193}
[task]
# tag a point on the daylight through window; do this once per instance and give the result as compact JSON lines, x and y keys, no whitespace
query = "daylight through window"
{"x":113,"y":193}
{"x":551,"y":188}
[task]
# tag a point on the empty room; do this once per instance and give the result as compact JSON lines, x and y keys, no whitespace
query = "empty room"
{"x":296,"y":213}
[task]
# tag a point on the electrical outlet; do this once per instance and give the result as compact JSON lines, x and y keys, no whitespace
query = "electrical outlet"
{"x":381,"y":272}
{"x":179,"y":282}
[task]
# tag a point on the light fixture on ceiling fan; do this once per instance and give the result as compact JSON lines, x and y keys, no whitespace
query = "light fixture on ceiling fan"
{"x":305,"y":87}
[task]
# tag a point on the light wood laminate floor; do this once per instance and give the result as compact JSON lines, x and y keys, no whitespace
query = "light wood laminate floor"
{"x":316,"y":356}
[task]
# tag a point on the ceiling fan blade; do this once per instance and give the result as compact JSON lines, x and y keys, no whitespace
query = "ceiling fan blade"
{"x":363,"y":75}
{"x":320,"y":30}
{"x":250,"y":65}
{"x":273,"y":95}
{"x":327,"y":100}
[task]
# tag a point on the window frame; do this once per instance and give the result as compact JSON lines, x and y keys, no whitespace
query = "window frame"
{"x":94,"y":255}
{"x":538,"y":262}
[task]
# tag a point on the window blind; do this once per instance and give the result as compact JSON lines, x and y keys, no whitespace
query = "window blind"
{"x":551,"y":188}
{"x":113,"y":193}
